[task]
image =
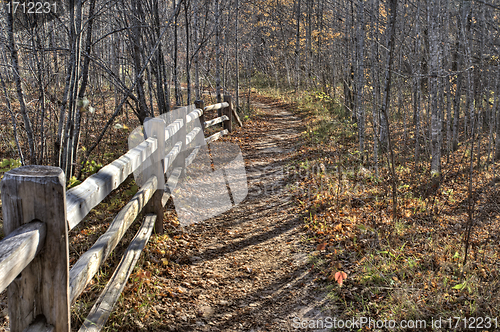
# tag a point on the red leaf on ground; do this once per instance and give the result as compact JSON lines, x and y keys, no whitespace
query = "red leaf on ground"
{"x":340,"y":277}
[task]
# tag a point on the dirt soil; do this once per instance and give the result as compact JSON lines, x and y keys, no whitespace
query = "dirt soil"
{"x":253,"y":260}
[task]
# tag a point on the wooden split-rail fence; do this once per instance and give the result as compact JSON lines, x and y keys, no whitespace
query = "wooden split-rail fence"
{"x":38,"y":213}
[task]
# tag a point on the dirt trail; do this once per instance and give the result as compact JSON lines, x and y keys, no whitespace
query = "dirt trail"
{"x":252,"y":260}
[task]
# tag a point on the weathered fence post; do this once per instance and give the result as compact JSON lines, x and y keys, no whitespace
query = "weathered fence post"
{"x":201,"y":105}
{"x":155,"y":127}
{"x":228,"y":124}
{"x":39,"y":193}
{"x":180,"y":160}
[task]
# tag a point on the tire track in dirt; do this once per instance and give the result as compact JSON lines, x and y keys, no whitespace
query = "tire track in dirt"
{"x":250,"y":271}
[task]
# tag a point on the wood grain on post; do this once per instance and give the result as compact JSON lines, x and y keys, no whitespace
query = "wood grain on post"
{"x":18,"y":249}
{"x":181,"y":136}
{"x":40,"y":325}
{"x":82,"y":198}
{"x":155,"y":206}
{"x":217,"y":106}
{"x":156,"y":128}
{"x":29,"y":193}
{"x":216,"y":136}
{"x":215,"y":121}
{"x":192,"y":136}
{"x":194,"y":114}
{"x":228,"y":111}
{"x":201,"y":105}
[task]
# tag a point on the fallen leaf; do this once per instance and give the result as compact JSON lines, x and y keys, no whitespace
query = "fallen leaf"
{"x":321,"y":246}
{"x":340,"y":277}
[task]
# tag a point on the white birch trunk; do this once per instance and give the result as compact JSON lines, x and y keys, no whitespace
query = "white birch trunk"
{"x":433,"y":17}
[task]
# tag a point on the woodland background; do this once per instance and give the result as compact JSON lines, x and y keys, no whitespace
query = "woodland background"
{"x":401,"y":97}
{"x":434,"y":64}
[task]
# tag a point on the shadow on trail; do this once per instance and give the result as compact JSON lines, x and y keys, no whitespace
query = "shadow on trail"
{"x":269,"y":303}
{"x":251,"y":271}
{"x":211,"y":254}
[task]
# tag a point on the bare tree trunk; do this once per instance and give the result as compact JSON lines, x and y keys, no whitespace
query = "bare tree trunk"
{"x":376,"y":83}
{"x":85,"y":76}
{"x":58,"y":147}
{"x":177,"y":89}
{"x":470,"y":111}
{"x":417,"y":85}
{"x":479,"y":86}
{"x":309,"y":51}
{"x":217,"y":55}
{"x":225,"y":58}
{"x":491,"y":121}
{"x":19,"y":88}
{"x":188,"y":62}
{"x":384,"y":124}
{"x":137,"y":48}
{"x":237,"y":58}
{"x":249,"y":76}
{"x":13,"y":119}
{"x":159,"y":63}
{"x":68,"y":143}
{"x":351,"y":80}
{"x":297,"y":49}
{"x":433,"y":12}
{"x":36,"y":45}
{"x":393,"y":6}
{"x":361,"y":76}
{"x":197,"y":91}
{"x":446,"y":65}
{"x":497,"y":109}
{"x":457,"y":103}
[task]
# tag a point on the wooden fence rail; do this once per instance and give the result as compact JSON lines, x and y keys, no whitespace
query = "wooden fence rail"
{"x":38,"y":213}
